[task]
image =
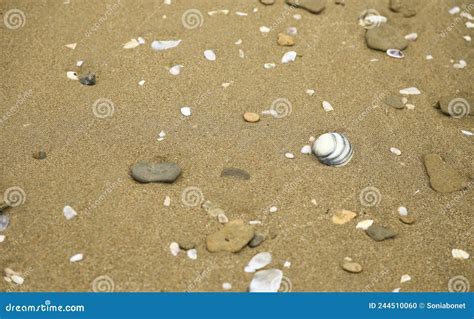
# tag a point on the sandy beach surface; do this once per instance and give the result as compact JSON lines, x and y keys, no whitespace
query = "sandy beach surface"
{"x":92,"y":135}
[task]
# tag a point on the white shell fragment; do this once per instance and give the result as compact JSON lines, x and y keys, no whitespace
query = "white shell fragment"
{"x":470,"y":25}
{"x":460,"y":254}
{"x":327,"y":106}
{"x":273,"y":209}
{"x":288,"y":57}
{"x":365,"y":224}
{"x":333,"y":149}
{"x":69,"y":212}
{"x":141,"y":40}
{"x":175,"y":70}
{"x":226,"y":286}
{"x":186,"y":111}
{"x":310,"y":92}
{"x":161,"y":136}
{"x":287,"y":264}
{"x":292,"y":31}
{"x":71,"y":75}
{"x":2,"y":238}
{"x":174,"y":249}
{"x":306,"y":149}
{"x":76,"y":258}
{"x":396,"y":54}
{"x":405,"y":278}
{"x":467,"y":38}
{"x":210,"y":55}
{"x":131,"y":44}
{"x":17,"y":279}
{"x":410,"y":91}
{"x":258,"y":262}
{"x":79,"y":63}
{"x":395,"y":151}
{"x":290,"y":155}
{"x":269,"y":65}
{"x":266,"y":281}
{"x":241,"y":14}
{"x":71,"y":46}
{"x":411,"y":36}
{"x":141,"y":83}
{"x":460,"y":65}
{"x":164,"y":45}
{"x":403,"y":211}
{"x":454,"y":10}
{"x":192,"y":254}
{"x":167,"y":201}
{"x":216,"y":12}
{"x":241,"y":54}
{"x":264,"y":29}
{"x":467,"y":133}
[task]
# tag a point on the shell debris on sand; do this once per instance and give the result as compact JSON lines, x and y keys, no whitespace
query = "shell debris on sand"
{"x":266,"y":281}
{"x":69,"y":212}
{"x":76,"y":258}
{"x":460,"y":254}
{"x":258,"y":261}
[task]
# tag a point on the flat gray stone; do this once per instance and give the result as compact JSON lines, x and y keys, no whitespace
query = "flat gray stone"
{"x":235,"y":173}
{"x":379,"y":233}
{"x":256,"y":240}
{"x":395,"y":102}
{"x":457,"y":106}
{"x":385,"y":37}
{"x":313,"y":6}
{"x":145,"y":172}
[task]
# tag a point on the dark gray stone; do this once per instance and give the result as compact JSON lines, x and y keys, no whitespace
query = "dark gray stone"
{"x":379,"y":233}
{"x":88,"y":79}
{"x":313,"y":6}
{"x":385,"y":37}
{"x":256,"y":240}
{"x":235,"y":173}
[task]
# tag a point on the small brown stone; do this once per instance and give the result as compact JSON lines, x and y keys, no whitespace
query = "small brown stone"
{"x":267,"y":2}
{"x":251,"y":117}
{"x":343,"y":216}
{"x":41,"y":154}
{"x":351,"y":266}
{"x":409,"y":219}
{"x":232,"y":237}
{"x":443,"y":178}
{"x":285,"y":40}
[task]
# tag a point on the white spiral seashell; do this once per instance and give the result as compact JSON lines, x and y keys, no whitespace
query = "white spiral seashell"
{"x":333,"y":149}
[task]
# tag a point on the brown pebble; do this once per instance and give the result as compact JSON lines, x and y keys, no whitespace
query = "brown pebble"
{"x":351,"y":266}
{"x":41,"y":154}
{"x":443,"y":178}
{"x":232,"y":237}
{"x":407,"y":219}
{"x":251,"y":117}
{"x":285,"y":40}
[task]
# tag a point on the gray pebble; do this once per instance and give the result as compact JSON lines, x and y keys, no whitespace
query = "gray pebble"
{"x":235,"y":172}
{"x":186,"y":245}
{"x":144,"y":172}
{"x":395,"y":102}
{"x":88,"y":79}
{"x":256,"y":240}
{"x":41,"y":154}
{"x":4,"y":221}
{"x":379,"y":233}
{"x":385,"y":37}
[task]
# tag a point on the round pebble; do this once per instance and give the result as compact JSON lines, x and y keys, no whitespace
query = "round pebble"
{"x":41,"y":154}
{"x":409,"y":219}
{"x":251,"y":117}
{"x":351,"y":266}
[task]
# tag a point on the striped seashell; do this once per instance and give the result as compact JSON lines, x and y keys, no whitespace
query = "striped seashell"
{"x":333,"y":149}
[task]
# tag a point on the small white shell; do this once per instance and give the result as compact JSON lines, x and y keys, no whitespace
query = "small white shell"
{"x":76,"y":258}
{"x":164,"y":45}
{"x":410,"y":91}
{"x":227,"y":286}
{"x":327,"y":106}
{"x":210,"y":55}
{"x":405,"y":278}
{"x":167,"y":201}
{"x":258,"y":262}
{"x":365,"y":224}
{"x":174,"y":248}
{"x":175,"y":70}
{"x":411,"y":36}
{"x":131,"y":44}
{"x":288,"y":57}
{"x":264,"y":29}
{"x":269,"y":65}
{"x":460,"y":254}
{"x":71,"y":75}
{"x":266,"y":281}
{"x":69,"y":212}
{"x":192,"y":254}
{"x":306,"y":149}
{"x":403,"y":211}
{"x":333,"y":149}
{"x":394,"y":53}
{"x":186,"y":111}
{"x":395,"y":151}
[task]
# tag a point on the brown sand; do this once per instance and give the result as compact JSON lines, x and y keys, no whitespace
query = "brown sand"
{"x":123,"y":228}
